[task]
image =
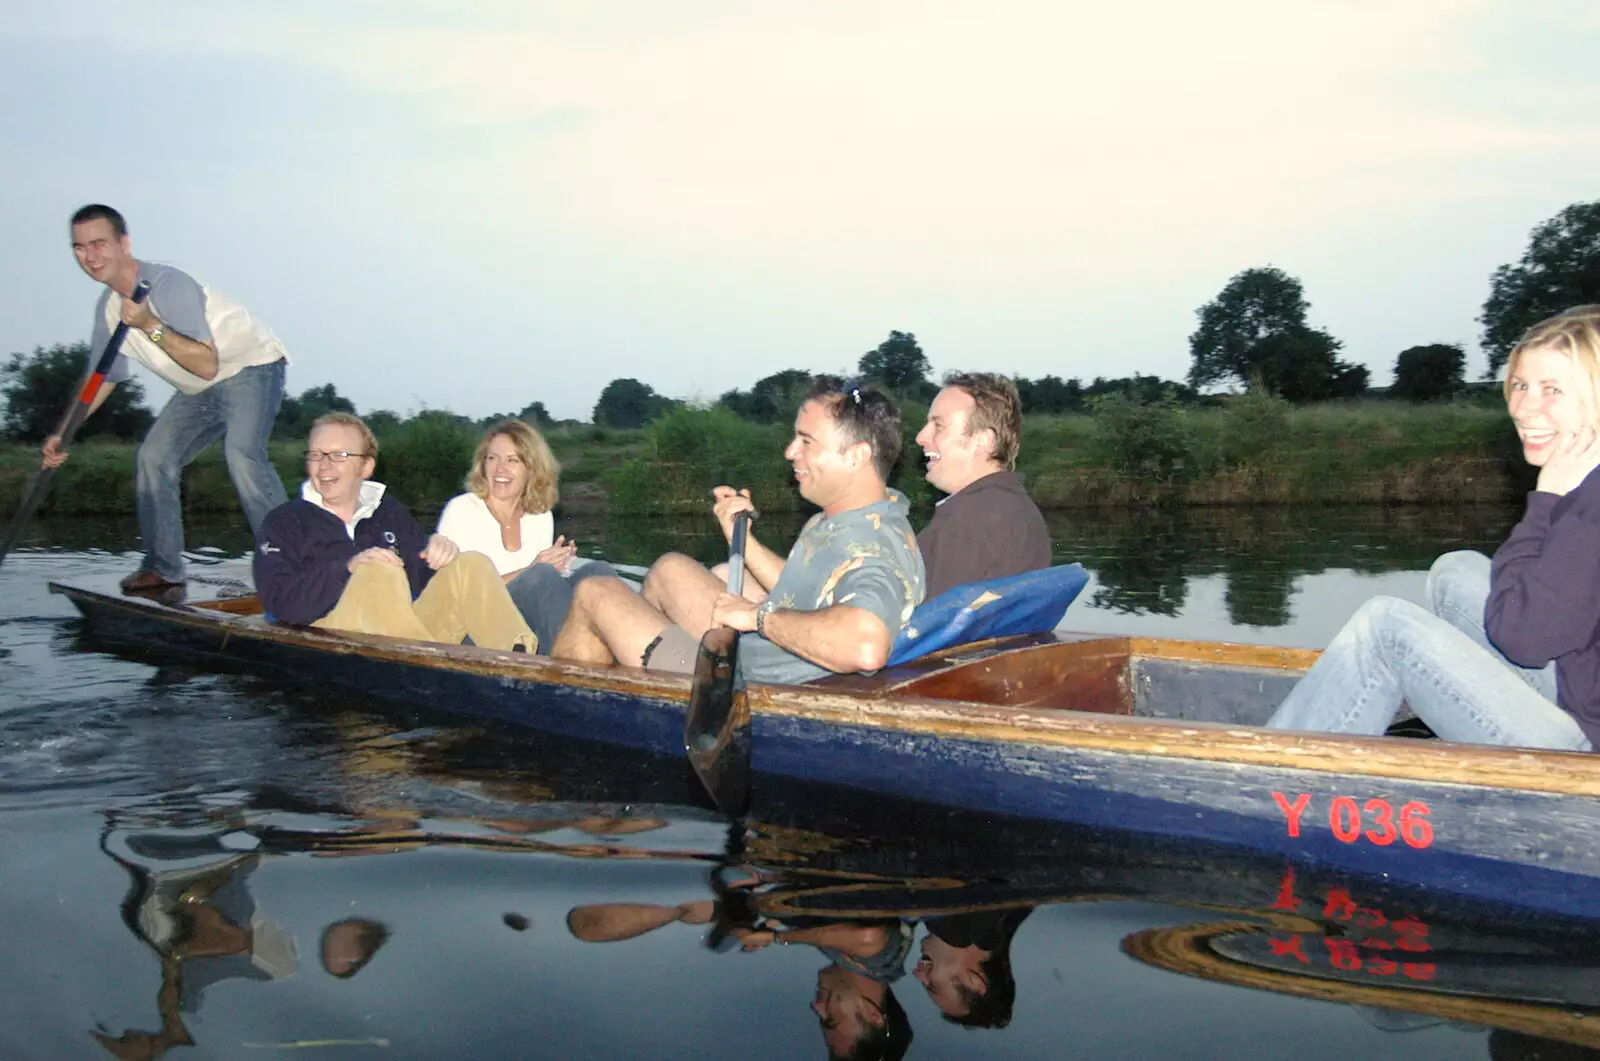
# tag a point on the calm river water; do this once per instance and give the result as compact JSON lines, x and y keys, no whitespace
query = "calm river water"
{"x":209,"y":866}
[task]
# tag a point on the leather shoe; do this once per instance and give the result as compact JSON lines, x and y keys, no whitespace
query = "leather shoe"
{"x":142,"y":581}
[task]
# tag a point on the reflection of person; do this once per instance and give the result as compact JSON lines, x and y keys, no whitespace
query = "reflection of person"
{"x":348,"y":945}
{"x":849,"y":584}
{"x":855,"y":1006}
{"x":228,"y":370}
{"x":966,"y":966}
{"x":614,"y":922}
{"x":505,"y":515}
{"x":1508,"y":651}
{"x":205,"y":927}
{"x":987,"y":526}
{"x":346,"y":556}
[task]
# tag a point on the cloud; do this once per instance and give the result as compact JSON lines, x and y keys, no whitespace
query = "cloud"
{"x":1044,"y":175}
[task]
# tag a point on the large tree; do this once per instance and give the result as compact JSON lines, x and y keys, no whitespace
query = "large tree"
{"x":898,"y":363}
{"x":296,"y":415}
{"x":534,"y":414}
{"x":1560,"y":269}
{"x":1255,"y":333}
{"x":629,"y":403}
{"x":772,"y":400}
{"x":1050,"y":394}
{"x":1428,"y":373}
{"x":37,"y":388}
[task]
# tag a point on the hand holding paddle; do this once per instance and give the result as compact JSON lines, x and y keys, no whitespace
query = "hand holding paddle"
{"x":716,"y":727}
{"x":71,"y":421}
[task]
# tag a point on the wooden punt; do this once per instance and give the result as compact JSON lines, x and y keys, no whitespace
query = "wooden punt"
{"x":1137,"y":734}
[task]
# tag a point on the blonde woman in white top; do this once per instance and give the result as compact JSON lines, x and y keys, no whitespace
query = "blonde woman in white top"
{"x":506,"y":515}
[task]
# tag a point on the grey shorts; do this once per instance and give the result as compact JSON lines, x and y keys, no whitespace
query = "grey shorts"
{"x":673,"y":650}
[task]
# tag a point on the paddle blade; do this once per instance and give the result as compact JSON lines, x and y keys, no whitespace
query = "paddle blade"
{"x":716,"y":728}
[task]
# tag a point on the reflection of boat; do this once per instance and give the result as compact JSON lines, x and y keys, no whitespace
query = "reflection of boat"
{"x":1284,"y":926}
{"x":1138,"y":734}
{"x":1355,"y":955}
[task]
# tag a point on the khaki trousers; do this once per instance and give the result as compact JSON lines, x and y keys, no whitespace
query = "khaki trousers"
{"x":465,"y":598}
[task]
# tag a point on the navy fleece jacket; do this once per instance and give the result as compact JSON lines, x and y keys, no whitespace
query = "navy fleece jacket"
{"x":302,"y":553}
{"x":1544,"y":596}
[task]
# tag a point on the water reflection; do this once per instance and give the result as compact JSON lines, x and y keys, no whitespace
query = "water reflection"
{"x":1145,"y":559}
{"x":931,"y":899}
{"x":189,"y":902}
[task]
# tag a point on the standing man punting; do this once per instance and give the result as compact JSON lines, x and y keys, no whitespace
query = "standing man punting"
{"x":228,"y":369}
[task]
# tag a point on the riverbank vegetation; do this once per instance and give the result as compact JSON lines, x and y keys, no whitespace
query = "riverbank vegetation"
{"x":1248,"y":450}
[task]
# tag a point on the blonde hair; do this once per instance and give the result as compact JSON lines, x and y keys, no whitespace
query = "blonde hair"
{"x":369,"y":441}
{"x":544,"y":473}
{"x":1575,"y":333}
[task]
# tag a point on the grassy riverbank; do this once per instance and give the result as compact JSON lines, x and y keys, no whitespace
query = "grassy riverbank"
{"x":1248,"y":452}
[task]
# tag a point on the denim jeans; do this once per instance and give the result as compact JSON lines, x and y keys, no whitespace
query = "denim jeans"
{"x":1440,"y":661}
{"x":239,"y":411}
{"x":544,"y":596}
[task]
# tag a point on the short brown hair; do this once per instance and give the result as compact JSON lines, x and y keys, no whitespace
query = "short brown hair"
{"x":998,"y":408}
{"x":865,"y":413}
{"x":369,"y":441}
{"x":544,"y":473}
{"x":101,"y":212}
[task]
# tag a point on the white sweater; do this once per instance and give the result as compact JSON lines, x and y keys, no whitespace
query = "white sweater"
{"x":467,"y":521}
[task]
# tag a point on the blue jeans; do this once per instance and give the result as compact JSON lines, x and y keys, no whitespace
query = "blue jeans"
{"x":239,"y":411}
{"x":1438,"y":660}
{"x":544,"y":596}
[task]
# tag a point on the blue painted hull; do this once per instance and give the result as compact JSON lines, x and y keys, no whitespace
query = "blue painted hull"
{"x":1532,"y":849}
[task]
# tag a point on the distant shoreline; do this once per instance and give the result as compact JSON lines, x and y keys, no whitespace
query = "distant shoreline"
{"x":1364,"y":453}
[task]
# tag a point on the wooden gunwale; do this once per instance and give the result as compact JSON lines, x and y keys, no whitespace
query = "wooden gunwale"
{"x":1565,"y":773}
{"x":1570,"y":773}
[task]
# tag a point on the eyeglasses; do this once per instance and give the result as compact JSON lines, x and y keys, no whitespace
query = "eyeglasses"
{"x":852,"y":389}
{"x":337,"y":456}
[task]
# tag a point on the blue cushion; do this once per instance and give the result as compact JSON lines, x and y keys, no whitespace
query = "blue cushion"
{"x":1030,"y":603}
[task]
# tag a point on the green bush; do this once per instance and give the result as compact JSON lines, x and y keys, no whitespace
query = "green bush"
{"x":425,"y":461}
{"x":689,"y":451}
{"x":1143,"y":441}
{"x":1255,"y":426}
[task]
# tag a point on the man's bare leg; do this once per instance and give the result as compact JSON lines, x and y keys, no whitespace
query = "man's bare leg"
{"x":684,"y":591}
{"x":608,"y":623}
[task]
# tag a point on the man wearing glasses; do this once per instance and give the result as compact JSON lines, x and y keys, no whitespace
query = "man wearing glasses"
{"x":346,"y":556}
{"x":227,"y":367}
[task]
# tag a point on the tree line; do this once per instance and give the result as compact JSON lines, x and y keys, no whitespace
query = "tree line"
{"x":1254,"y":334}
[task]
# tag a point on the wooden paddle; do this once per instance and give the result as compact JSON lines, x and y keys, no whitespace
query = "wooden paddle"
{"x":76,"y":414}
{"x":716,"y":728}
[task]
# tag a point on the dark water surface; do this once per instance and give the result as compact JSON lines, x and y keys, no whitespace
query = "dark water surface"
{"x":175,"y":845}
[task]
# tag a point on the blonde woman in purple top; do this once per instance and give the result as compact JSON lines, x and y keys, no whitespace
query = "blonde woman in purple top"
{"x":1508,"y":650}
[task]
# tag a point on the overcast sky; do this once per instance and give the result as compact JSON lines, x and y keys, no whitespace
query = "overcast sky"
{"x":475,"y":204}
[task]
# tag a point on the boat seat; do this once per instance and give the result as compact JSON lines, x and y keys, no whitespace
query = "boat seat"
{"x":1029,"y":603}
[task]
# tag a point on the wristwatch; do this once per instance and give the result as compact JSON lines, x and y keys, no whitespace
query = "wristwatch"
{"x":764,"y":609}
{"x":157,"y":333}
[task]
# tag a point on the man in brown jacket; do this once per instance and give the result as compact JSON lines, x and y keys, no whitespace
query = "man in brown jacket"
{"x":987,"y":526}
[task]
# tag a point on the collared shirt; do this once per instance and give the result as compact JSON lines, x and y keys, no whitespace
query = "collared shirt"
{"x":865,"y":558}
{"x":367,"y":502}
{"x":990,"y":529}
